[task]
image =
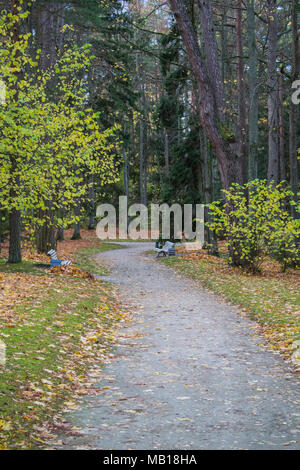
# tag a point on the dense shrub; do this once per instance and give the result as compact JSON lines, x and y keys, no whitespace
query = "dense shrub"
{"x":254,"y":221}
{"x":284,"y":245}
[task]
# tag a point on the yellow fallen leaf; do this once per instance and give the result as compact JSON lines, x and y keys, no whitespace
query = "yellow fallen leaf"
{"x":5,"y":425}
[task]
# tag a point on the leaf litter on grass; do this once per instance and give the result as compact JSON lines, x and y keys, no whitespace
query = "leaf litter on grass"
{"x":58,"y":328}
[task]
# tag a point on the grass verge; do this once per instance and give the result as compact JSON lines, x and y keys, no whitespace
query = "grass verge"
{"x":271,"y":300}
{"x":26,"y":267}
{"x":85,"y":257}
{"x":56,"y":329}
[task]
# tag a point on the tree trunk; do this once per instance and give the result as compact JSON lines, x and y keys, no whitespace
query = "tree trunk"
{"x":145,"y":172}
{"x":241,"y":124}
{"x":60,"y":234}
{"x":208,"y":192}
{"x":281,"y":131}
{"x":76,"y":235}
{"x":141,"y":155}
{"x":224,"y":46}
{"x":15,"y":237}
{"x":15,"y":255}
{"x":212,"y":116}
{"x":126,"y":173}
{"x":141,"y":88}
{"x":45,"y":237}
{"x":273,"y":161}
{"x":92,"y":222}
{"x":294,"y":112}
{"x":253,"y":90}
{"x":159,"y":173}
{"x":211,"y":56}
{"x":166,"y":152}
{"x":50,"y":20}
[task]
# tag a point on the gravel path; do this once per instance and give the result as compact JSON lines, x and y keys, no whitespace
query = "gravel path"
{"x":188,"y":372}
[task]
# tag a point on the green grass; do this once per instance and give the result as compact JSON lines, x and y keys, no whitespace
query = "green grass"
{"x":85,"y":258}
{"x":273,"y":302}
{"x":47,"y":362}
{"x":26,"y":267}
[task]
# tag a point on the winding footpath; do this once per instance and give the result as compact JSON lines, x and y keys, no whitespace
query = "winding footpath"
{"x":188,"y":372}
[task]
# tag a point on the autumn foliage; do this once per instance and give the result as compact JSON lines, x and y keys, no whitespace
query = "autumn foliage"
{"x":255,"y":222}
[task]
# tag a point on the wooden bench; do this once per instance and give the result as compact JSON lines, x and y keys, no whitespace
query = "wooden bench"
{"x":165,"y":249}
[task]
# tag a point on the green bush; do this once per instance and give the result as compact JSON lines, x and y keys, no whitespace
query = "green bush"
{"x":284,"y":245}
{"x":254,"y":221}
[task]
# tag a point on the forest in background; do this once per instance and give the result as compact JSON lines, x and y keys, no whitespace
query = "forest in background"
{"x":160,"y":101}
{"x":176,"y":102}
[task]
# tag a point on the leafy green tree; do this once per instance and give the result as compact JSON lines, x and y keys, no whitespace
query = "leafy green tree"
{"x":46,"y":146}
